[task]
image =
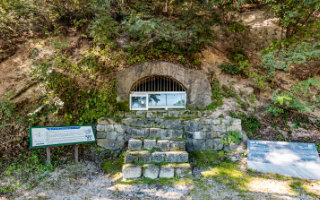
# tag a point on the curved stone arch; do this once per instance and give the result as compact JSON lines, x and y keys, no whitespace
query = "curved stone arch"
{"x":198,"y":87}
{"x":169,"y":77}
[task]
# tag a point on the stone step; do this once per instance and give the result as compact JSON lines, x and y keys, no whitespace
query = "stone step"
{"x":153,"y":171}
{"x":157,"y":157}
{"x":157,"y":145}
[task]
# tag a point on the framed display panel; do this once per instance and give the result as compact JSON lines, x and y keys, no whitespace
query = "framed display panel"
{"x":149,"y":100}
{"x":47,"y":136}
{"x":139,"y":101}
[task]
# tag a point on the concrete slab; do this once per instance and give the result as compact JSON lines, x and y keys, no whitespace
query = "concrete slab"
{"x":285,"y":158}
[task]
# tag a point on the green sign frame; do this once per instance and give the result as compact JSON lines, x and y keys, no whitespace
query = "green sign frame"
{"x":63,"y":144}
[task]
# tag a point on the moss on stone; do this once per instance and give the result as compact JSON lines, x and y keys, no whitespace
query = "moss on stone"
{"x":112,"y":166}
{"x":123,"y":105}
{"x":171,"y":117}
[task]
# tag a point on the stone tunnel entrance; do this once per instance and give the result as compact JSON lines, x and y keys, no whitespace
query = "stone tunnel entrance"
{"x":149,"y":86}
{"x":157,"y":92}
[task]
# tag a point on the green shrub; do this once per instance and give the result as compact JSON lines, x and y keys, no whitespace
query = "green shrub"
{"x":123,"y":105}
{"x":216,"y":96}
{"x":249,"y":124}
{"x":285,"y":101}
{"x":103,"y":27}
{"x":252,"y":98}
{"x":232,"y":137}
{"x":228,"y":91}
{"x":230,"y":68}
{"x":237,"y":56}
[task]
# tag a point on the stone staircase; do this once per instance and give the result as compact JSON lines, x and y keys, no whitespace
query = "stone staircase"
{"x":165,"y":149}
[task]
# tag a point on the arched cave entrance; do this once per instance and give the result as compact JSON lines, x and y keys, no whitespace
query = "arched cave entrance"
{"x":157,"y":92}
{"x":164,"y":77}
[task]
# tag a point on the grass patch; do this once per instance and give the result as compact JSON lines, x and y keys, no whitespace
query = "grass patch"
{"x":206,"y":158}
{"x":112,"y":166}
{"x":229,"y":174}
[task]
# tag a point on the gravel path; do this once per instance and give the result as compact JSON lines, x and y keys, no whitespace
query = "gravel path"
{"x":89,"y":182}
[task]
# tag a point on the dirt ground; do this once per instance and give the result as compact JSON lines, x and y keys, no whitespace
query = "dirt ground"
{"x":88,"y":181}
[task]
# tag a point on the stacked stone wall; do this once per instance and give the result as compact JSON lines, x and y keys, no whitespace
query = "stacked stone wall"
{"x":157,"y":142}
{"x":199,"y":130}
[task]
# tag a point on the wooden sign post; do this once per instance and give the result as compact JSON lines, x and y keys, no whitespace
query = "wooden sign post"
{"x":61,"y":135}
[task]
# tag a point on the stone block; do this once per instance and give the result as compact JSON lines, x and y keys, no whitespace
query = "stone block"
{"x":145,"y":156}
{"x":120,"y":114}
{"x":130,"y":114}
{"x":140,"y":133}
{"x":214,"y":144}
{"x":131,"y":171}
{"x":166,"y":171}
{"x":108,"y":144}
{"x":176,"y":157}
{"x":206,"y":113}
{"x":119,"y":128}
{"x":207,"y":121}
{"x":135,"y":144}
{"x":158,"y":156}
{"x":186,"y":113}
{"x":236,"y":122}
{"x":166,"y":134}
{"x":192,"y":126}
{"x":196,"y":114}
{"x":215,"y":134}
{"x":129,"y":130}
{"x":195,"y":135}
{"x":172,"y":124}
{"x":103,"y":121}
{"x":195,"y":145}
{"x":207,"y":128}
{"x":131,"y":157}
{"x":149,"y":144}
{"x":218,"y":125}
{"x":151,"y":171}
{"x":162,"y":114}
{"x":191,"y":113}
{"x":109,"y":127}
{"x":183,"y":170}
{"x":101,"y":135}
{"x":141,"y":114}
{"x":163,"y":145}
{"x":151,"y":114}
{"x":148,"y":123}
{"x":112,"y":135}
{"x":177,"y":145}
{"x":173,"y":113}
{"x":212,"y":134}
{"x":234,"y":128}
{"x":129,"y":121}
{"x":155,"y":132}
{"x":158,"y":123}
{"x":101,"y":127}
{"x":177,"y":133}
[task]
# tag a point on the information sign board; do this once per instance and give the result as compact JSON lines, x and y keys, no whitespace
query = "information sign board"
{"x":286,"y":158}
{"x":62,"y":135}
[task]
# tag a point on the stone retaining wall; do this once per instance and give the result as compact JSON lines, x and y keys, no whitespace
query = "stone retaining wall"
{"x":164,"y":129}
{"x":158,"y":142}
